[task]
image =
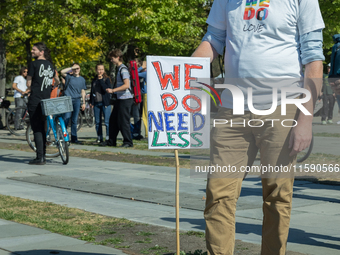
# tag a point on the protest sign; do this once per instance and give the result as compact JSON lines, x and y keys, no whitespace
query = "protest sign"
{"x":178,"y":105}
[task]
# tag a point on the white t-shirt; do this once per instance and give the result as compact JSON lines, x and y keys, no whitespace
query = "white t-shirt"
{"x":21,"y":84}
{"x":262,"y":41}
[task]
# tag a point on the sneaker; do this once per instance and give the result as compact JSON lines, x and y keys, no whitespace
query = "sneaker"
{"x":99,"y":140}
{"x":338,"y":122}
{"x":323,"y":122}
{"x":330,"y":121}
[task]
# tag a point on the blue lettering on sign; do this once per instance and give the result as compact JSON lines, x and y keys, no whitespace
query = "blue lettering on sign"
{"x":182,"y":122}
{"x":168,"y":122}
{"x":158,"y":123}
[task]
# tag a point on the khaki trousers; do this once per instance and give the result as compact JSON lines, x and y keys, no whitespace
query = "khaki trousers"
{"x":238,"y":146}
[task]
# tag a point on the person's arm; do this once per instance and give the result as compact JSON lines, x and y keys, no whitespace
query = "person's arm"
{"x":65,"y":71}
{"x":14,"y":86}
{"x":212,"y":45}
{"x":28,"y":84}
{"x":301,"y":134}
{"x":83,"y":94}
{"x":311,"y":54}
{"x":56,"y":79}
{"x":124,"y":87}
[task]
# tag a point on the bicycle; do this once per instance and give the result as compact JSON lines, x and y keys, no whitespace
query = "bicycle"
{"x":57,"y":138}
{"x":89,"y":113}
{"x":20,"y":127}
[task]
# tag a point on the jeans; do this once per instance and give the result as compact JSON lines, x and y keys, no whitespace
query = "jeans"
{"x":328,"y":105}
{"x":74,"y":120}
{"x":338,"y":100}
{"x":19,"y":102}
{"x":100,"y":109}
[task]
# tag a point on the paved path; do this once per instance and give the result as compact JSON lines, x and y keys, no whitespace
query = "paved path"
{"x":107,"y":188}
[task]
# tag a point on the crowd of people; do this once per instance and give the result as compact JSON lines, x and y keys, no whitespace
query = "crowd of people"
{"x":41,"y":78}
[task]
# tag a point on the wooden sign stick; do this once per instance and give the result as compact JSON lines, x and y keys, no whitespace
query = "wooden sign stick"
{"x":177,"y":202}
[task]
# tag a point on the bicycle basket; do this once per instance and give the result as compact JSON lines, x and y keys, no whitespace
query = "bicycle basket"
{"x":56,"y":105}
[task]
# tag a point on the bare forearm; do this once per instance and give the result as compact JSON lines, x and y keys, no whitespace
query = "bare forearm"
{"x":65,"y":71}
{"x":313,"y":83}
{"x":29,"y":83}
{"x":83,"y":94}
{"x":124,"y":87}
{"x":205,"y":49}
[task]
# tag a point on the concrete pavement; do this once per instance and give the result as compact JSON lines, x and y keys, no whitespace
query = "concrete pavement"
{"x":107,"y":187}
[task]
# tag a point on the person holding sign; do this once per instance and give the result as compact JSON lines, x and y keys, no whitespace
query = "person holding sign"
{"x":263,"y":39}
{"x":120,"y":116}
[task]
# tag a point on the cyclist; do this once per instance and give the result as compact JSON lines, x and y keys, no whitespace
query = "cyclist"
{"x":20,"y":89}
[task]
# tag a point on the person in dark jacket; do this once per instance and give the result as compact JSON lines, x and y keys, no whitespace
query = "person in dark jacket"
{"x":100,"y":101}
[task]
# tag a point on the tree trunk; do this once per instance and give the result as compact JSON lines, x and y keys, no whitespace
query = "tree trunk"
{"x":2,"y":64}
{"x":28,"y":51}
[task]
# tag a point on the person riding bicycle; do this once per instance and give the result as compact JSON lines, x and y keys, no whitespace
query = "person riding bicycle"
{"x":20,"y":90}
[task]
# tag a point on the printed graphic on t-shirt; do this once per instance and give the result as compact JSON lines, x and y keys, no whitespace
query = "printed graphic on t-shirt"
{"x":47,"y":75}
{"x":255,"y":10}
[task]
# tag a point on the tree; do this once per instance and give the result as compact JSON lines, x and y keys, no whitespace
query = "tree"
{"x":50,"y":21}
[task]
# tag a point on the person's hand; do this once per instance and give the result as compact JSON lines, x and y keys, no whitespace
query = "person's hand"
{"x":300,"y":137}
{"x":100,"y":76}
{"x":110,"y":91}
{"x":335,"y":84}
{"x":91,"y":105}
{"x":83,"y":107}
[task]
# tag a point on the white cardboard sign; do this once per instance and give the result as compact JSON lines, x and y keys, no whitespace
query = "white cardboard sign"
{"x":178,"y":106}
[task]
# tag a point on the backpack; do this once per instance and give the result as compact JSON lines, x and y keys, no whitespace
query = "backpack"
{"x":134,"y":82}
{"x":335,"y":58}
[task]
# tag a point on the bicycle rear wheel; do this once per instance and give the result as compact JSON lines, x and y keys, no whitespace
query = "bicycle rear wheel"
{"x":20,"y":127}
{"x":89,"y":116}
{"x":51,"y":148}
{"x":62,"y":145}
{"x":303,"y":155}
{"x":79,"y":121}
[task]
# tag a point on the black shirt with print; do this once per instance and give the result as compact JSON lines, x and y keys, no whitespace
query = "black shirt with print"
{"x":42,"y":73}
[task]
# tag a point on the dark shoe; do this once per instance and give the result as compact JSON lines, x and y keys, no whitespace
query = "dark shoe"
{"x":126,"y":145}
{"x":37,"y":161}
{"x":107,"y":143}
{"x":78,"y":142}
{"x":103,"y":144}
{"x":138,"y":137}
{"x":99,"y":140}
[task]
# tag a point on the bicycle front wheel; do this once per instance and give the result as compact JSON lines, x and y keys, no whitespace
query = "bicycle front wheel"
{"x":51,"y":148}
{"x":62,"y":145}
{"x":17,"y":121}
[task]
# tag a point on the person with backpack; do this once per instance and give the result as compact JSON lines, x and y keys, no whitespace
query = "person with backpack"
{"x":100,"y":101}
{"x":120,"y":116}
